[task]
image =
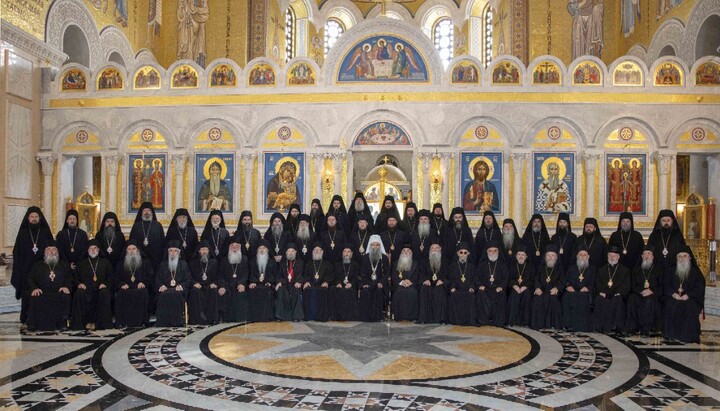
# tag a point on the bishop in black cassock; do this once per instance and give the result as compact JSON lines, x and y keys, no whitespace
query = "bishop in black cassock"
{"x":235,"y":270}
{"x":204,"y":297}
{"x":149,"y":236}
{"x":463,"y":280}
{"x":593,"y":241}
{"x":288,"y":289}
{"x":684,"y":296}
{"x":182,"y":229}
{"x":133,"y":276}
{"x":248,"y":236}
{"x":434,"y":286}
{"x":49,"y":282}
{"x":111,"y":239}
{"x":262,"y":282}
{"x":405,"y":281}
{"x":374,"y":282}
{"x":536,"y":239}
{"x":173,"y":286}
{"x":93,"y":295}
{"x":578,"y":293}
{"x":549,"y":280}
{"x":612,"y":285}
{"x":488,"y":232}
{"x":344,"y":294}
{"x":643,"y":306}
{"x":216,"y":234}
{"x":72,"y":242}
{"x":629,"y":241}
{"x":520,"y":287}
{"x":565,"y":240}
{"x":492,"y":287}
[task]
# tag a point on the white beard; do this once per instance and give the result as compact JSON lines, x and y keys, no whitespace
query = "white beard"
{"x":262,"y":260}
{"x":303,"y":233}
{"x":277,"y":230}
{"x":317,"y":256}
{"x":435,"y":260}
{"x":375,"y":255}
{"x":234,"y":257}
{"x":683,"y":270}
{"x":133,"y":262}
{"x":582,"y":264}
{"x":172,"y":263}
{"x":553,"y":182}
{"x":51,"y":260}
{"x":182,"y":225}
{"x":360,"y":207}
{"x":215,"y":225}
{"x":493,"y":258}
{"x":404,"y":263}
{"x":423,"y":230}
{"x":347,"y":260}
{"x":646,"y":264}
{"x":550,"y":264}
{"x":508,"y":239}
{"x":147,"y":218}
{"x":536,"y":229}
{"x":93,"y":254}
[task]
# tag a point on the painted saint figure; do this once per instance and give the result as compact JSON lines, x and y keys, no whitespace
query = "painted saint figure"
{"x":192,"y":15}
{"x":553,"y":193}
{"x":214,"y":192}
{"x":480,"y":194}
{"x":157,"y":181}
{"x":282,"y":190}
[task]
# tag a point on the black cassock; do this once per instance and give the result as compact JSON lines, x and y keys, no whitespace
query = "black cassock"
{"x":218,"y":238}
{"x":566,"y":245}
{"x":433,"y":297}
{"x":304,"y":247}
{"x":645,"y":313}
{"x":171,"y":302}
{"x":421,"y":245}
{"x":536,"y":244}
{"x":631,"y":243}
{"x":491,"y":303}
{"x":249,"y":238}
{"x":93,"y":304}
{"x":112,"y":248}
{"x":203,"y":302}
{"x":372,"y":298}
{"x":577,"y":305}
{"x":405,"y":299}
{"x":484,"y":237}
{"x":315,"y":296}
{"x":520,"y":303}
{"x":288,"y":300}
{"x":393,"y":241}
{"x":462,"y":306}
{"x":72,"y":244}
{"x":671,"y":240}
{"x":24,"y":255}
{"x":453,"y":237}
{"x":131,"y":304}
{"x":360,"y":241}
{"x":234,"y":304}
{"x":609,"y":311}
{"x":155,"y":235}
{"x":261,"y":298}
{"x":278,"y":244}
{"x":48,"y":311}
{"x":332,"y":245}
{"x":187,"y":237}
{"x":546,"y":309}
{"x":344,"y":294}
{"x":682,"y":318}
{"x":596,"y":246}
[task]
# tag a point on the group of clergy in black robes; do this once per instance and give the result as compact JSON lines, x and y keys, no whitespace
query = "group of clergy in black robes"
{"x":344,"y":264}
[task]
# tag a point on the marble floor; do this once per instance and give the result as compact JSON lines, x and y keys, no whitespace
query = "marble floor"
{"x":354,"y":366}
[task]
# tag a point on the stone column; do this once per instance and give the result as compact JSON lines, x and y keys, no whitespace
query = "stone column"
{"x":48,"y":164}
{"x":248,"y":165}
{"x":426,"y":184}
{"x":112,"y":162}
{"x":445,"y":168}
{"x":179,"y":161}
{"x":591,"y":160}
{"x":664,"y":161}
{"x":519,"y":160}
{"x":337,"y":162}
{"x":714,"y":189}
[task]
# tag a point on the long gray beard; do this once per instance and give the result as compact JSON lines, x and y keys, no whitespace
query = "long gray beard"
{"x":204,"y":259}
{"x":423,"y":230}
{"x":493,"y":258}
{"x":109,"y":233}
{"x":683,"y":270}
{"x":508,"y":239}
{"x":317,"y":256}
{"x":51,"y":260}
{"x":550,"y":265}
{"x":93,"y":254}
{"x":646,"y":264}
{"x":172,"y":264}
{"x":214,"y":185}
{"x":314,"y":213}
{"x":303,"y":233}
{"x":347,"y":260}
{"x":261,"y":260}
{"x":553,"y":182}
{"x":235,"y":257}
{"x":277,"y":230}
{"x":360,"y":208}
{"x":375,"y":255}
{"x":435,"y":260}
{"x":625,"y":230}
{"x":182,"y":226}
{"x":404,"y":263}
{"x":536,"y":229}
{"x":132,"y":262}
{"x":582,"y":263}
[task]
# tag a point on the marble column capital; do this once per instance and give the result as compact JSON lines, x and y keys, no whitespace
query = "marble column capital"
{"x":248,"y":161}
{"x":426,"y":159}
{"x":664,"y":160}
{"x":112,"y":162}
{"x":179,"y":160}
{"x":47,"y":160}
{"x":591,"y":158}
{"x":519,"y":160}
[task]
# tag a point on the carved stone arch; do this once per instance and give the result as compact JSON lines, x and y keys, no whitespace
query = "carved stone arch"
{"x":137,"y":126}
{"x":416,"y":133}
{"x":201,"y":74}
{"x":239,"y":73}
{"x":568,"y":80}
{"x":693,"y":70}
{"x":94,"y":81}
{"x":114,"y":40}
{"x":279,"y":73}
{"x":307,"y":60}
{"x":639,"y":51}
{"x":673,"y":138}
{"x":683,"y":67}
{"x":59,"y":138}
{"x":577,"y":131}
{"x":313,"y":13}
{"x":194,"y":131}
{"x":64,"y":13}
{"x":466,"y":7}
{"x":670,"y":33}
{"x":447,"y":78}
{"x":346,"y":5}
{"x":164,"y":75}
{"x":144,"y":56}
{"x":702,"y":10}
{"x":307,"y":131}
{"x":531,"y":67}
{"x":487,"y":80}
{"x":637,"y":60}
{"x":507,"y":133}
{"x":391,"y":8}
{"x":627,"y":121}
{"x":370,"y":28}
{"x":424,"y":13}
